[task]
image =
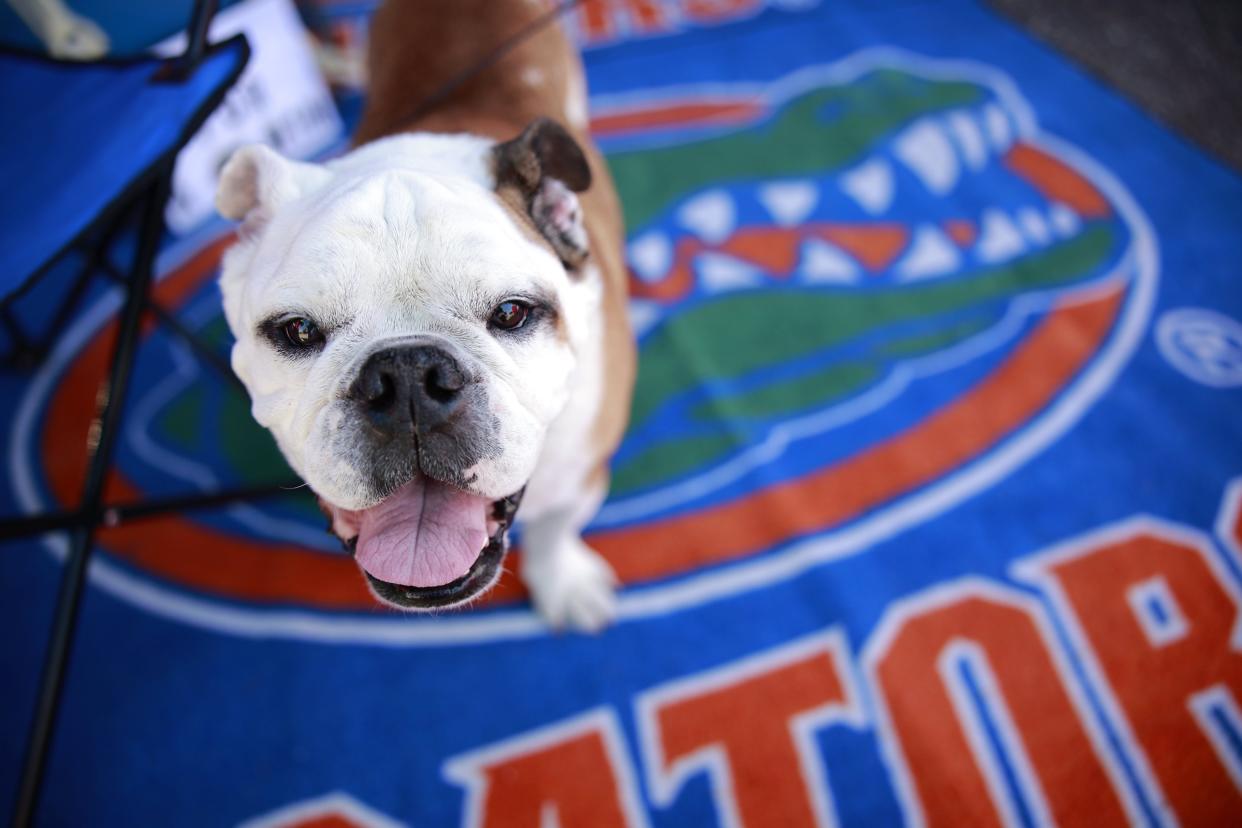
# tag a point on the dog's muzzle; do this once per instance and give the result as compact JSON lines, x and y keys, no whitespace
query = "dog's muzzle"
{"x":422,"y":407}
{"x":481,"y":575}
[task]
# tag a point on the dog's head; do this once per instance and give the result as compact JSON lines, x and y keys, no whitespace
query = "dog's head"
{"x":407,"y":319}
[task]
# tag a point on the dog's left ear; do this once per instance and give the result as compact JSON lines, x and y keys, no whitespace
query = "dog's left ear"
{"x":544,"y":167}
{"x":256,"y":181}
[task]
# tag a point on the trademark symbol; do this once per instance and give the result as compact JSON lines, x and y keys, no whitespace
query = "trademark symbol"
{"x":1204,"y":345}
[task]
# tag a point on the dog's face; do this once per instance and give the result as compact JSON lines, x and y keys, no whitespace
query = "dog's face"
{"x":406,"y":320}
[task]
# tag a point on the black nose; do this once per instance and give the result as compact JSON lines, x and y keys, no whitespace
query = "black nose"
{"x":422,"y":383}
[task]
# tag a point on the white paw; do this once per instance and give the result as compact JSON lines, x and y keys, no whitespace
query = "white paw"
{"x":66,"y":34}
{"x":76,"y":38}
{"x":572,"y":587}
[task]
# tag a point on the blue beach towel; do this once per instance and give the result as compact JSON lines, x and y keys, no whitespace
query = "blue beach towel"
{"x":930,"y":511}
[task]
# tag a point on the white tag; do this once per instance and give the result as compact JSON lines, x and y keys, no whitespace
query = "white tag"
{"x":280,"y":100}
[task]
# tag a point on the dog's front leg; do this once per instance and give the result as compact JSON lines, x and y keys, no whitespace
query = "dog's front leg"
{"x":571,"y":585}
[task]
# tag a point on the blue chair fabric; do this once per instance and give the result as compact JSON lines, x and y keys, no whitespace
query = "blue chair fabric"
{"x":90,"y":137}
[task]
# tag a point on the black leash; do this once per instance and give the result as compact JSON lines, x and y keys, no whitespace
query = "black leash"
{"x":489,"y":60}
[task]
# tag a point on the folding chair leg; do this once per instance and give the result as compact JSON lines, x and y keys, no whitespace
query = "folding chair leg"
{"x":74,"y":576}
{"x":27,"y":352}
{"x":204,"y":351}
{"x":20,"y":342}
{"x":117,"y":514}
{"x":169,"y":321}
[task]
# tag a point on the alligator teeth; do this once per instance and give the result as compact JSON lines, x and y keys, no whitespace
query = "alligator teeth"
{"x":871,"y":185}
{"x":651,"y":256}
{"x":720,"y":272}
{"x":710,"y":215}
{"x":644,"y":314}
{"x":926,"y":150}
{"x":826,"y":263}
{"x":789,"y":202}
{"x":930,"y":254}
{"x":1063,"y":220}
{"x":966,"y":130}
{"x":999,"y":240}
{"x":1033,"y":226}
{"x":996,"y":124}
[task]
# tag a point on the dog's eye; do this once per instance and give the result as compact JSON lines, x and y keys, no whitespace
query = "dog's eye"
{"x":510,"y":315}
{"x":302,"y":333}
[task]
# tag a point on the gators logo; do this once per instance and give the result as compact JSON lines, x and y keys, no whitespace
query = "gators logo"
{"x":863,"y":292}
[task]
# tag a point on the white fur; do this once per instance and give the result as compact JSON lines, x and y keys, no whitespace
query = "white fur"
{"x":576,"y":109}
{"x":405,"y":236}
{"x":562,"y":457}
{"x":532,"y":76}
{"x":570,"y":584}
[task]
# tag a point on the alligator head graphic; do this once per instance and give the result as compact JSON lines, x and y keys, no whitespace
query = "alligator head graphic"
{"x":852,"y":240}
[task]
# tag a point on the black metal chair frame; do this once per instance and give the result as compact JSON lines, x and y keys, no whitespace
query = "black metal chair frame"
{"x":92,"y":512}
{"x":148,"y":202}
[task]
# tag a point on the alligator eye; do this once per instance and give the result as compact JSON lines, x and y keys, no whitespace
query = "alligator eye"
{"x":302,"y":333}
{"x":509,"y":315}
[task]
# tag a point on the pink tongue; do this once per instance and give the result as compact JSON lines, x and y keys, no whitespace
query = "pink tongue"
{"x":425,"y":534}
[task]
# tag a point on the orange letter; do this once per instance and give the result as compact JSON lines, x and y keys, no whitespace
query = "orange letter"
{"x":1159,"y":623}
{"x":599,"y":18}
{"x":575,"y":770}
{"x":945,"y":765}
{"x":714,"y":11}
{"x":750,"y":724}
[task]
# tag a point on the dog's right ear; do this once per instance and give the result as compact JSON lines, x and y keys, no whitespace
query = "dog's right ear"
{"x":256,"y":181}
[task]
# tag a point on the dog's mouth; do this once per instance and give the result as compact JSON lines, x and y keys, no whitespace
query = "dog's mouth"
{"x":428,"y":544}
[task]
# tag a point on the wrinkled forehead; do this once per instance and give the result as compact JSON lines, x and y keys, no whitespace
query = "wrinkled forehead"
{"x":398,"y":228}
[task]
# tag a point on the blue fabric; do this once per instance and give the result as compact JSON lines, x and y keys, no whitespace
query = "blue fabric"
{"x":78,"y":135}
{"x":926,"y":314}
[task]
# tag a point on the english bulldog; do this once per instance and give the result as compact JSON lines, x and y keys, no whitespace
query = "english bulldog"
{"x":433,"y":326}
